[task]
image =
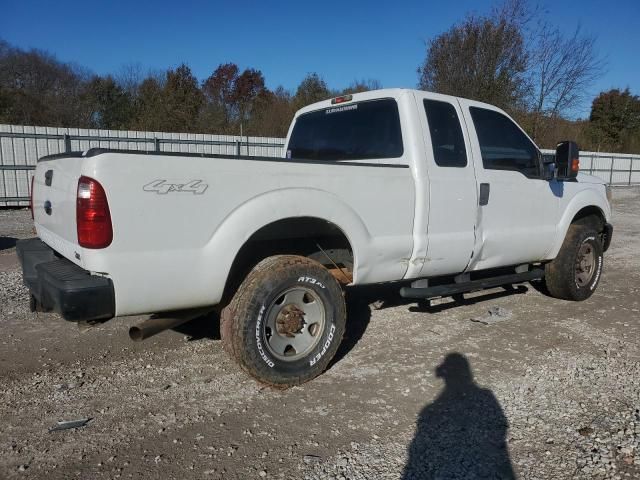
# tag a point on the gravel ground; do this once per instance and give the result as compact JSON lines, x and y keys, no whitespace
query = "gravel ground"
{"x":539,"y":389}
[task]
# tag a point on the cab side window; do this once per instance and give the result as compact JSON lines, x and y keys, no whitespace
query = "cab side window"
{"x":503,"y":145}
{"x":446,"y":134}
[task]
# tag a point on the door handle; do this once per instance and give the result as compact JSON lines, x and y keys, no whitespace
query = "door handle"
{"x":484,"y":194}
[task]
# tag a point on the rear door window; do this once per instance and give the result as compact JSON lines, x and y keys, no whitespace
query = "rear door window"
{"x":351,"y":131}
{"x":503,"y":145}
{"x":446,"y":134}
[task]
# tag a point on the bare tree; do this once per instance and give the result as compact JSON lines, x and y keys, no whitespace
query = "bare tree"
{"x":562,"y":69}
{"x":363,"y":85}
{"x":272,"y":113}
{"x":514,"y":58}
{"x":482,"y":58}
{"x":129,"y":78}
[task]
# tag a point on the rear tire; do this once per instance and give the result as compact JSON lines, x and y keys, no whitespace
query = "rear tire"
{"x":575,"y":273}
{"x":285,"y":322}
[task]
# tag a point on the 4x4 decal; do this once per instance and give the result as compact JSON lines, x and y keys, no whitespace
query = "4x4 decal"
{"x":162,"y":187}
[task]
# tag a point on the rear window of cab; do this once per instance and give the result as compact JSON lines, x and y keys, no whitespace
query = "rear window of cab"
{"x":348,"y":131}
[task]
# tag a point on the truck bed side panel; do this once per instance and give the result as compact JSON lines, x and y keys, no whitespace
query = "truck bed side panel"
{"x":179,"y":221}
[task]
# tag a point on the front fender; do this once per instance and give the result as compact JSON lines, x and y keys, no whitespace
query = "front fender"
{"x":590,"y":197}
{"x":246,"y":219}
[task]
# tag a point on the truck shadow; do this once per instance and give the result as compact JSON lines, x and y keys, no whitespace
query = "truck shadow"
{"x":7,"y":242}
{"x":462,"y":433}
{"x":358,"y":317}
{"x":461,"y":301}
{"x":203,"y":327}
{"x":360,"y":300}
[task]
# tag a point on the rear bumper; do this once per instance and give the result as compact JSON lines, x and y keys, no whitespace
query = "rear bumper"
{"x":62,"y":286}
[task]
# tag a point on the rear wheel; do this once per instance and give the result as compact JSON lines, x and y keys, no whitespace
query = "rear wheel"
{"x":286,"y":321}
{"x":575,"y":273}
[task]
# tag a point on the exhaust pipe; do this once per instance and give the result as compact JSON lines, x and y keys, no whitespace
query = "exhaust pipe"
{"x":159,"y":323}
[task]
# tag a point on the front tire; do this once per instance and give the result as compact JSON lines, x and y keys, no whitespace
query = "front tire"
{"x":575,"y":273}
{"x":286,"y":321}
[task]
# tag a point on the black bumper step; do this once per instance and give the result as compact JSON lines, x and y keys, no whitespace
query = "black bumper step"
{"x":62,"y":286}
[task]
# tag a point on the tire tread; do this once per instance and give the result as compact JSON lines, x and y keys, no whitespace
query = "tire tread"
{"x":233,"y":328}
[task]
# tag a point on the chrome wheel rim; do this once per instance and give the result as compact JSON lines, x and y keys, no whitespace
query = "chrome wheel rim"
{"x":294,"y":324}
{"x":585,"y":264}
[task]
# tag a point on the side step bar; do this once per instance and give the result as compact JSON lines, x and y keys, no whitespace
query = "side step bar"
{"x":453,"y":288}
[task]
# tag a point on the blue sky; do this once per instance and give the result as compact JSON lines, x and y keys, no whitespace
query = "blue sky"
{"x":342,"y":41}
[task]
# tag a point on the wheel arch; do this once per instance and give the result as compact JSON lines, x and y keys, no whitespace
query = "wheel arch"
{"x":585,"y":208}
{"x":266,"y":225}
{"x":590,"y":215}
{"x":311,"y":237}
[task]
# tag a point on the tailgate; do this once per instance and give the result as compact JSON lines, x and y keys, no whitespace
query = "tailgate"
{"x":54,"y":202}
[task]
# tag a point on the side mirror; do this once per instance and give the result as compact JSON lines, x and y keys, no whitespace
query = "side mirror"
{"x":567,"y":160}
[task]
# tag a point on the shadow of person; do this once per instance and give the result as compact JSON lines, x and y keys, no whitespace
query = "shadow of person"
{"x":358,"y":317}
{"x":462,"y":434}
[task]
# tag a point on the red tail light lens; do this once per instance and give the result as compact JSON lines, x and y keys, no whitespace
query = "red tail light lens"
{"x":92,"y":215}
{"x":31,"y":197}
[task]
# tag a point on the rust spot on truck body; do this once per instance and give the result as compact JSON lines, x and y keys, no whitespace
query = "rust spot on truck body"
{"x":342,"y":275}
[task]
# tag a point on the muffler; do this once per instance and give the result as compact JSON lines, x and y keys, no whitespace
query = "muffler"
{"x":160,"y":322}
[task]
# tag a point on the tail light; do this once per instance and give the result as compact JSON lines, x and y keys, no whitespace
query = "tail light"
{"x":92,"y":215}
{"x":31,"y":197}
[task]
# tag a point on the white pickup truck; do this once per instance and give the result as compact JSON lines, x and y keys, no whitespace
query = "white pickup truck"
{"x":445,"y":194}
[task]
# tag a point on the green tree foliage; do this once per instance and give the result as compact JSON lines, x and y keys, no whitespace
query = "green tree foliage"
{"x":312,"y":89}
{"x":149,"y":107}
{"x":181,"y":100}
{"x":37,"y":89}
{"x":109,"y":106}
{"x":614,"y":123}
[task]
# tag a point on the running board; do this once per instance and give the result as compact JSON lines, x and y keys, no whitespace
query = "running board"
{"x":453,"y":288}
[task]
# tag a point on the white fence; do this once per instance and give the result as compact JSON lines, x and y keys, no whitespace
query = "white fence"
{"x":614,"y":168}
{"x":21,"y":146}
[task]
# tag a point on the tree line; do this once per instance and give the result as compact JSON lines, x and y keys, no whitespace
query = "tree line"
{"x":38,"y":89}
{"x":511,"y":57}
